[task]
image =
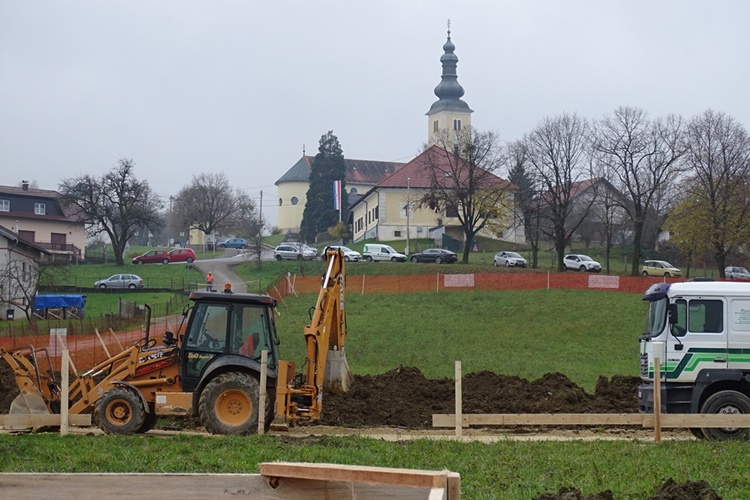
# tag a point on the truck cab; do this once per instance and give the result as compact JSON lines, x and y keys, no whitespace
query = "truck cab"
{"x":703,"y":332}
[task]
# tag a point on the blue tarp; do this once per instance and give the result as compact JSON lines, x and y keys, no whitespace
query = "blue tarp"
{"x":49,"y":301}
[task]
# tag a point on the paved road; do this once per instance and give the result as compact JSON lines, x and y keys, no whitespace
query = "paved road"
{"x":221,"y":267}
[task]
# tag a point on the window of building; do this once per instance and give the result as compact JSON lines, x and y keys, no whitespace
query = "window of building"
{"x":4,"y":205}
{"x":456,"y":124}
{"x":40,"y":209}
{"x":281,"y":201}
{"x":435,"y":126}
{"x":353,"y":191}
{"x":451,"y":211}
{"x":377,"y":212}
{"x":295,"y":200}
{"x":397,"y":234}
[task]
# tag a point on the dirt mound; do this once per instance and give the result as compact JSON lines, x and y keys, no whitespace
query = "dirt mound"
{"x":670,"y":490}
{"x":8,"y":387}
{"x":403,"y":397}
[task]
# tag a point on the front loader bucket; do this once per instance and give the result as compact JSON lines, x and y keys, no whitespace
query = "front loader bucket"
{"x":27,"y":402}
{"x":338,"y":377}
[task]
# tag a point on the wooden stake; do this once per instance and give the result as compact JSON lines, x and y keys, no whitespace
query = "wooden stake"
{"x":112,"y":332}
{"x":64,"y":396}
{"x":70,"y":361}
{"x":262,"y":397}
{"x":459,"y":408}
{"x":106,"y":351}
{"x":363,"y":284}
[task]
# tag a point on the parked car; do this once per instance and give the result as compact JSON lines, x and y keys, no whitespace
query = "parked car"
{"x":509,"y":259}
{"x":152,"y":257}
{"x":659,"y":268}
{"x":376,"y":252}
{"x":349,"y":254}
{"x":233,"y":243}
{"x":436,"y":255}
{"x":182,"y":255}
{"x":120,"y":281}
{"x":294,"y":251}
{"x":582,"y":263}
{"x":736,"y":273}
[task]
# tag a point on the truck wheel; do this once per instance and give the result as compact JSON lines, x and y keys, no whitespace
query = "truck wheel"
{"x":120,"y":411}
{"x":229,"y":404}
{"x":727,"y":403}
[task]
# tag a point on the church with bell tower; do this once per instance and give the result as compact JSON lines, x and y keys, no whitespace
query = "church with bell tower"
{"x":449,"y":115}
{"x":382,"y":195}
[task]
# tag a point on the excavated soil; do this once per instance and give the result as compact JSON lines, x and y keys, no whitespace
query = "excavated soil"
{"x":670,"y":490}
{"x":403,"y":397}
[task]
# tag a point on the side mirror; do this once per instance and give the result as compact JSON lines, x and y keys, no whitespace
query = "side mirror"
{"x":672,"y":314}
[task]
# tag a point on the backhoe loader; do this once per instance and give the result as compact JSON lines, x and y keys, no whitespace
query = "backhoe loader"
{"x":212,"y":371}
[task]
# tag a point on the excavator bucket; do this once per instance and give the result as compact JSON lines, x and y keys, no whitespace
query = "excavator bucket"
{"x":338,"y":377}
{"x":30,"y":402}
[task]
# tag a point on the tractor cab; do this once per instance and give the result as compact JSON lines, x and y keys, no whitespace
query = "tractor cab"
{"x":227,"y":330}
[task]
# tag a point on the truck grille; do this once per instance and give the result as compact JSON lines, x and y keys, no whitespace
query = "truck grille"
{"x":644,"y":365}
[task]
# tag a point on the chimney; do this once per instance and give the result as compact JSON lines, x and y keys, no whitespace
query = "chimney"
{"x":25,"y":185}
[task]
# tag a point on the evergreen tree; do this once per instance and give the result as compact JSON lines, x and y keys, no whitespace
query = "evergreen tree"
{"x":328,"y":166}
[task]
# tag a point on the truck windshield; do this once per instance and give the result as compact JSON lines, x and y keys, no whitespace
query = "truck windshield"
{"x":657,"y":316}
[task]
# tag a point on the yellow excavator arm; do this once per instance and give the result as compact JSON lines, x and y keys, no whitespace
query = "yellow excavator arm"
{"x":326,"y":367}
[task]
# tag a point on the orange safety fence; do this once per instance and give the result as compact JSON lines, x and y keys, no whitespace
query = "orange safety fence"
{"x":364,"y":285}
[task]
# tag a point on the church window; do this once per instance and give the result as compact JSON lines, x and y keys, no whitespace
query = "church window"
{"x":456,"y":124}
{"x":435,"y":126}
{"x":295,"y":200}
{"x":353,"y":191}
{"x":281,"y":201}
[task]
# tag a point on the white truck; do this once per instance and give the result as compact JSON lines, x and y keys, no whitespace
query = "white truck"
{"x":703,"y":329}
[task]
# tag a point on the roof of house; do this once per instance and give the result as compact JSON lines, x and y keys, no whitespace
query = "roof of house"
{"x":67,"y":212}
{"x":357,"y":171}
{"x":417,"y":173}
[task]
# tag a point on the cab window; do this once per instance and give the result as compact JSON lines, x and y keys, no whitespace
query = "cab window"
{"x":699,"y":316}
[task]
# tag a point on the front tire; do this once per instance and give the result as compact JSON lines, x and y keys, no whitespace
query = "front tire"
{"x":728,"y":403}
{"x":165,"y":261}
{"x":242,"y":247}
{"x":368,"y":258}
{"x":102,"y":286}
{"x":229,"y":404}
{"x":139,"y":262}
{"x":667,"y":275}
{"x":394,"y":259}
{"x":120,"y":411}
{"x":507,"y":263}
{"x":346,"y":258}
{"x":278,"y":257}
{"x":189,"y":260}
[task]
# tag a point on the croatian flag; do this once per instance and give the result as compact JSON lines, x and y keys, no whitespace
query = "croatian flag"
{"x":337,"y":195}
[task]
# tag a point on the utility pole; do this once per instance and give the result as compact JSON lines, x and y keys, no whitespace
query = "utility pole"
{"x":408,"y":180}
{"x":170,"y":243}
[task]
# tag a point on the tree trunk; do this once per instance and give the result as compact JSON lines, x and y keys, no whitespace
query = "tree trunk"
{"x":637,"y":237}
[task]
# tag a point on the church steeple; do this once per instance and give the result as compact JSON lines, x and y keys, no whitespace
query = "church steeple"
{"x":449,"y":112}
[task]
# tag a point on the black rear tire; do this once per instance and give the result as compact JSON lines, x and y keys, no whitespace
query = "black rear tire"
{"x":229,"y":404}
{"x":131,"y":285}
{"x":729,"y":403}
{"x":438,"y":260}
{"x":582,"y":269}
{"x":120,"y":411}
{"x":150,"y":421}
{"x":414,"y":259}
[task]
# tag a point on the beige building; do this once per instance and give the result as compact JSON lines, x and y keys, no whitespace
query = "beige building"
{"x":37,"y":216}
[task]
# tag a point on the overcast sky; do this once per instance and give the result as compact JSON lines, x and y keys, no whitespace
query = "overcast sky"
{"x":183,"y":87}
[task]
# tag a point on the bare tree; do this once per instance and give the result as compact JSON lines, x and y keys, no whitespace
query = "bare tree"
{"x":462,"y":183}
{"x":209,"y":204}
{"x":557,"y":152}
{"x":640,"y":157}
{"x":116,"y":204}
{"x":22,"y":279}
{"x":713,"y":214}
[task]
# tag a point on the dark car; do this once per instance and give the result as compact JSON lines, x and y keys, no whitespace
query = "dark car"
{"x":436,"y":255}
{"x":233,"y":243}
{"x":182,"y":255}
{"x":152,"y":257}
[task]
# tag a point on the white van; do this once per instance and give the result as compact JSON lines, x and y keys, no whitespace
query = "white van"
{"x":376,"y":252}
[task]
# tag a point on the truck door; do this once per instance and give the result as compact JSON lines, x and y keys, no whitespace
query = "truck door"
{"x":699,"y":338}
{"x":739,"y":334}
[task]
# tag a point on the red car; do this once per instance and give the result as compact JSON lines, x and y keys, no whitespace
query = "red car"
{"x":152,"y":257}
{"x":182,"y":255}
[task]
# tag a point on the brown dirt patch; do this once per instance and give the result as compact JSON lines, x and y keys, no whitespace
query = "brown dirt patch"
{"x":8,"y":387}
{"x":670,"y":490}
{"x":403,"y":397}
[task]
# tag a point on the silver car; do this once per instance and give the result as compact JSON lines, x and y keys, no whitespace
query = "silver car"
{"x":294,"y":251}
{"x":736,"y":273}
{"x":509,"y":259}
{"x":120,"y":281}
{"x":349,"y":254}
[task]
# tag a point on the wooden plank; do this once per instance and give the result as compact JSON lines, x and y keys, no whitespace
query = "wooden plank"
{"x":674,"y":420}
{"x":43,"y":420}
{"x":196,"y":486}
{"x":473,"y":419}
{"x":459,"y":407}
{"x":356,"y":473}
{"x":642,"y":419}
